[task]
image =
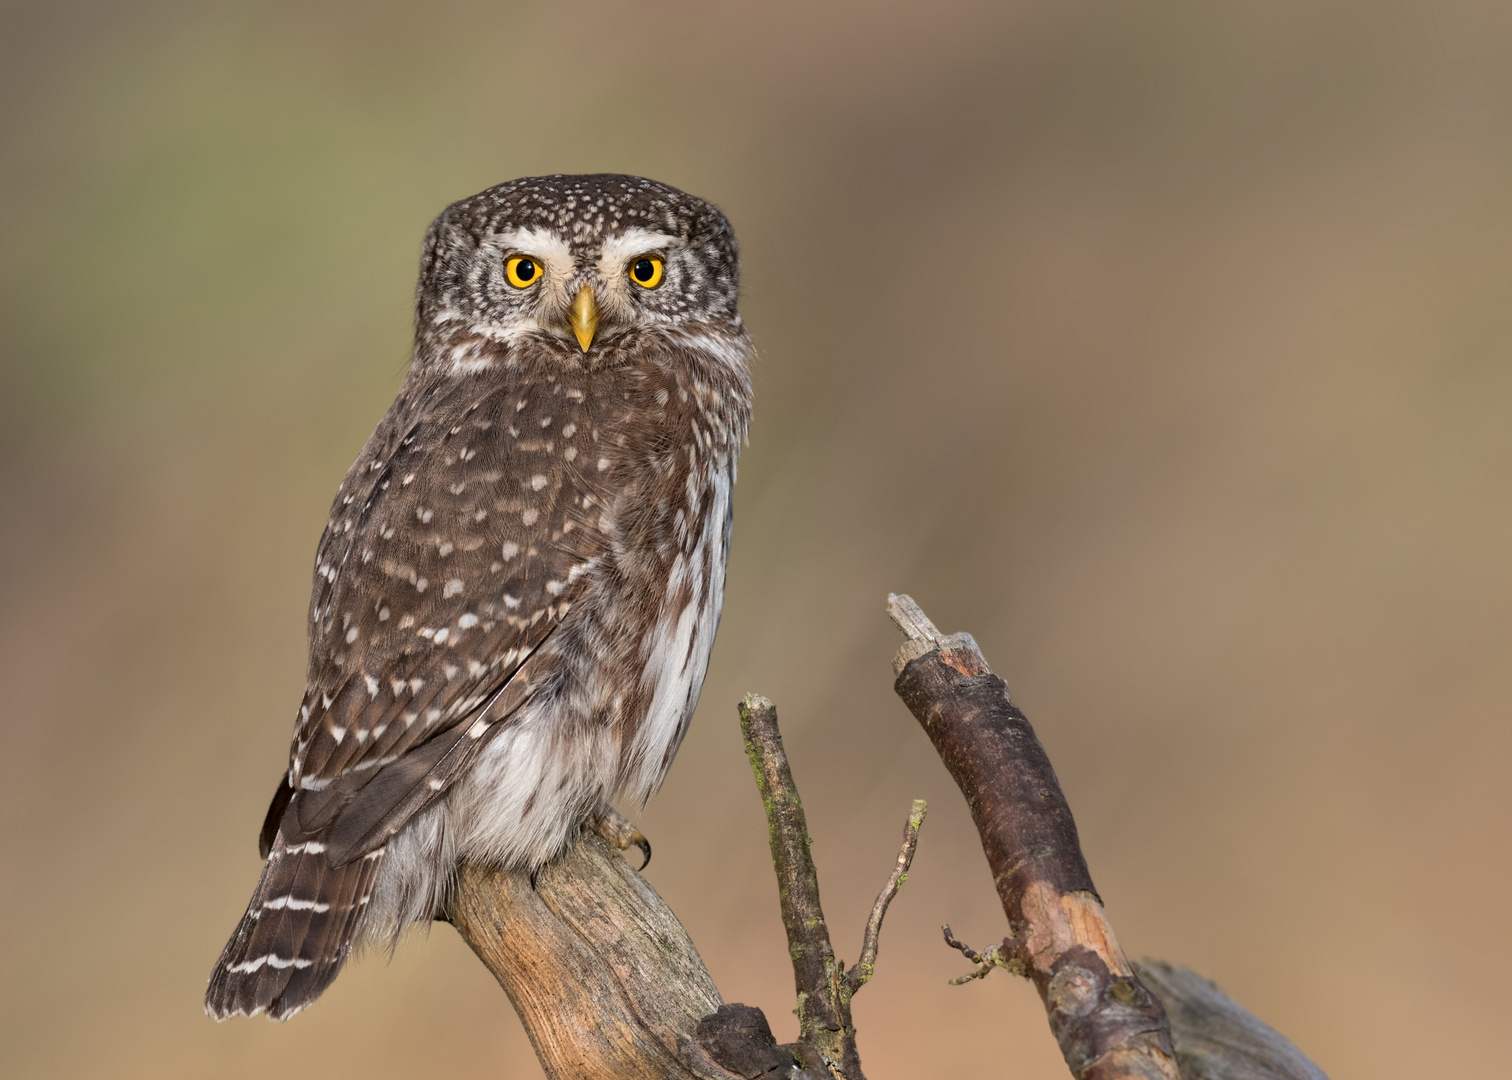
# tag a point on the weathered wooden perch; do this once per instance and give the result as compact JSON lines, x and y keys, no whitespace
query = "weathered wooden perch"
{"x":603,"y":976}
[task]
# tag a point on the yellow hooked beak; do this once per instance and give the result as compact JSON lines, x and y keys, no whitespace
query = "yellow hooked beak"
{"x":585,"y":317}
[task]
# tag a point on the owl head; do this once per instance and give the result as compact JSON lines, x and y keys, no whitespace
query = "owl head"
{"x":573,"y":263}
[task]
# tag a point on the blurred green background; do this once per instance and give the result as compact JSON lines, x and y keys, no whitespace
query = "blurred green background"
{"x":1163,"y":346}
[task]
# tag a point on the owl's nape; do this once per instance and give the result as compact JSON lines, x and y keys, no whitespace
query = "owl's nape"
{"x":517,"y":590}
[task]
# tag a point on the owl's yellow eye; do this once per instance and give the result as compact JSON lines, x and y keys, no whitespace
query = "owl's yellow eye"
{"x":646,"y":271}
{"x":522,"y":271}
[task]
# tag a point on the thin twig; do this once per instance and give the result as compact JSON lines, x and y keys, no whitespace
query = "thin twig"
{"x":995,"y":957}
{"x":861,"y":973}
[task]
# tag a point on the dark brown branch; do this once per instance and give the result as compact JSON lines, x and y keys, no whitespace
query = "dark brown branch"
{"x":824,"y":1019}
{"x":1107,"y":1023}
{"x":861,"y":973}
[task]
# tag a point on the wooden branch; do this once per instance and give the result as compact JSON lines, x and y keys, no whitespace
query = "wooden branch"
{"x":824,"y":993}
{"x":1106,"y":1014}
{"x":1108,"y":1025}
{"x":604,"y":977}
{"x":601,"y":973}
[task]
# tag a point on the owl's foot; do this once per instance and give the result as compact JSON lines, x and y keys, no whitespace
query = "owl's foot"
{"x":616,"y":828}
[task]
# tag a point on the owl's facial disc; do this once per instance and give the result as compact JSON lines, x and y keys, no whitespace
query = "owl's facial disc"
{"x":550,"y":262}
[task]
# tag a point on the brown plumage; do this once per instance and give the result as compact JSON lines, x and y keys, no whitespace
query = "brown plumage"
{"x":518,"y":587}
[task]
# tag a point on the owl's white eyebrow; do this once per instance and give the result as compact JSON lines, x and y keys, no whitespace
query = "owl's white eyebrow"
{"x":630,"y":243}
{"x":541,"y":243}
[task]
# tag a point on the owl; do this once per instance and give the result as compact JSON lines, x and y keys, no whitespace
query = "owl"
{"x":518,"y":587}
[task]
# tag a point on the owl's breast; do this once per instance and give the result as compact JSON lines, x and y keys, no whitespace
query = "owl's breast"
{"x":676,"y":542}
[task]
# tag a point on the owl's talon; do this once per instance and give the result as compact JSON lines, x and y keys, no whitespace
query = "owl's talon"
{"x":616,"y":828}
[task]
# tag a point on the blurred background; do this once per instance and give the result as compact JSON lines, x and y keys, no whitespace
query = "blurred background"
{"x":1163,"y":346}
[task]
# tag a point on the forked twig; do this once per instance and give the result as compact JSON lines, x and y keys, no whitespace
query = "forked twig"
{"x":826,"y":1034}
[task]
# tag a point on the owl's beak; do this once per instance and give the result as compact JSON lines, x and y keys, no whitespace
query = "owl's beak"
{"x":585,"y":317}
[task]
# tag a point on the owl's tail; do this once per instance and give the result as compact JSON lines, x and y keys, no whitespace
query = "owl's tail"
{"x":296,"y":934}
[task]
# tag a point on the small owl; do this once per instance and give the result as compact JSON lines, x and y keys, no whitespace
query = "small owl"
{"x":518,"y":587}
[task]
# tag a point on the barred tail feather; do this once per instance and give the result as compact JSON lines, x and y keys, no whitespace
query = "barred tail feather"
{"x":296,"y":934}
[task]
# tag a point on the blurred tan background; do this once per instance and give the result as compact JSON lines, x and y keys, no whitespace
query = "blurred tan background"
{"x":1166,"y":347}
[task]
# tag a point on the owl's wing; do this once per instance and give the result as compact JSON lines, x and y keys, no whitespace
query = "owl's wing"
{"x":457,"y":543}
